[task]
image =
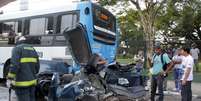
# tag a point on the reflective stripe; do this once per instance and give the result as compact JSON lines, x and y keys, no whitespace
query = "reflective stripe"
{"x":25,"y":60}
{"x":11,"y":75}
{"x":25,"y":83}
{"x":29,"y":48}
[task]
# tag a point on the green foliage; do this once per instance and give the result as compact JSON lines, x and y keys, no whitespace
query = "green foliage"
{"x":189,"y":22}
{"x":132,"y":34}
{"x":108,"y":2}
{"x":175,"y":18}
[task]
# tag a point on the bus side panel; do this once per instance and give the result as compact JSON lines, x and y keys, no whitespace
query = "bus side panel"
{"x":49,"y":53}
{"x":5,"y":55}
{"x":1,"y":70}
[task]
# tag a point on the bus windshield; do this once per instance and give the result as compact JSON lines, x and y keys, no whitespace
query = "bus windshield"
{"x":103,"y":18}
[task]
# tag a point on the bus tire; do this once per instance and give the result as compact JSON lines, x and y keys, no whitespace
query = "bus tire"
{"x":6,"y":69}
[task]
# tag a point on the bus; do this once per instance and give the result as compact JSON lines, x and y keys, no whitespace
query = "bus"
{"x":46,"y":26}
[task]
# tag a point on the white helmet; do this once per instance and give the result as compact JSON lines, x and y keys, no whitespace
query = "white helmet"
{"x":22,"y":38}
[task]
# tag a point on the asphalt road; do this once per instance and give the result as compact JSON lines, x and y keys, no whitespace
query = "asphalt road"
{"x":4,"y":95}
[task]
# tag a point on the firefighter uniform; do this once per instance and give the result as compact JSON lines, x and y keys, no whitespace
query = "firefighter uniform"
{"x":23,"y":69}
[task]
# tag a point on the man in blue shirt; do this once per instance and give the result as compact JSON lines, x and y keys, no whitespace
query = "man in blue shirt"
{"x":157,"y":71}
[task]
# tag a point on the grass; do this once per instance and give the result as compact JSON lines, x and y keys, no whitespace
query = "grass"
{"x":197,"y":76}
{"x":125,"y":61}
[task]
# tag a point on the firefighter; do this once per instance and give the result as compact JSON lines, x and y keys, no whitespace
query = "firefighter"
{"x":23,"y":69}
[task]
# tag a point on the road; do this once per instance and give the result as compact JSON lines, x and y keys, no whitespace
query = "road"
{"x":4,"y":95}
{"x":169,"y":96}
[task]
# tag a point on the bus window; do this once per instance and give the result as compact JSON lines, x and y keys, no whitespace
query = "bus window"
{"x":50,"y":24}
{"x":19,"y":28}
{"x":104,"y":19}
{"x":66,"y":21}
{"x":1,"y":28}
{"x":104,"y":25}
{"x":26,"y":27}
{"x":7,"y":33}
{"x":37,"y":26}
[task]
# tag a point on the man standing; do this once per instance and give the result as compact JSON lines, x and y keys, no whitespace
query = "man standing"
{"x":178,"y":58}
{"x":23,"y":69}
{"x":158,"y":61}
{"x":195,"y":54}
{"x":186,"y":92}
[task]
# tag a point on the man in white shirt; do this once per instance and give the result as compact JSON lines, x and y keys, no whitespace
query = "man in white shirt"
{"x":195,"y":54}
{"x":187,"y":77}
{"x":178,"y":58}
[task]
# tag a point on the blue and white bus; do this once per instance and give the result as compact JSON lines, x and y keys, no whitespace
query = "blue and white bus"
{"x":46,"y":25}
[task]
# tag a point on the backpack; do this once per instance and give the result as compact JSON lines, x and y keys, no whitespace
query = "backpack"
{"x":164,"y":64}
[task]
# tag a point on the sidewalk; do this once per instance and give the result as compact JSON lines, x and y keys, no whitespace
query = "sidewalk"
{"x":196,"y":88}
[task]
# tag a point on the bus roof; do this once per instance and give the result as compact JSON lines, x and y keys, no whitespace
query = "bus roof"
{"x":43,"y":11}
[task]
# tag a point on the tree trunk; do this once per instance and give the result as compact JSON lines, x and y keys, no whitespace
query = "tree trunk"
{"x":148,"y":28}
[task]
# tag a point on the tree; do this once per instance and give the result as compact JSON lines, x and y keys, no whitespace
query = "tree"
{"x":147,"y":16}
{"x":189,"y":23}
{"x":108,"y":2}
{"x":131,"y":33}
{"x":167,"y":21}
{"x":182,"y":21}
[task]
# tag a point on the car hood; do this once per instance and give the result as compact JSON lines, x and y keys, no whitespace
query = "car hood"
{"x":78,"y":43}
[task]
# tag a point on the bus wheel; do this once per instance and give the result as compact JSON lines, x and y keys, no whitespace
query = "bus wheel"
{"x":5,"y":71}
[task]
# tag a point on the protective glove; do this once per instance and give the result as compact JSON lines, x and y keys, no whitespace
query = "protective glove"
{"x":9,"y":83}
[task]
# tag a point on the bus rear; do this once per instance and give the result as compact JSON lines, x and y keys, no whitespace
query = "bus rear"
{"x":101,"y":30}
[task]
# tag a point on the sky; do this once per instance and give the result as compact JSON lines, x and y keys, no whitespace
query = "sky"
{"x":34,"y":4}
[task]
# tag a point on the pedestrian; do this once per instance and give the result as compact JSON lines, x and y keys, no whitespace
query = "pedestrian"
{"x":23,"y":69}
{"x":159,"y":59}
{"x":139,"y":60}
{"x":178,"y":58}
{"x":187,"y":77}
{"x":195,"y":54}
{"x":165,"y":79}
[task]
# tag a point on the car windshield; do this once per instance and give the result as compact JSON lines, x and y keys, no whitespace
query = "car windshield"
{"x":53,"y":66}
